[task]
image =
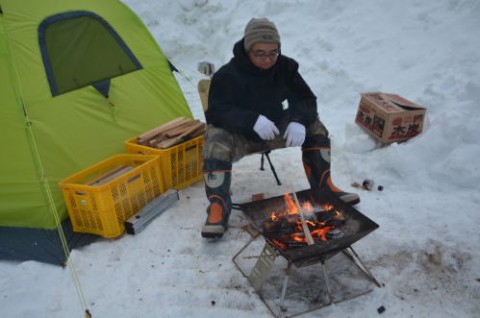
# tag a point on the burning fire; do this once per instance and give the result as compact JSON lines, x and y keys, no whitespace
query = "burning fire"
{"x":286,"y":230}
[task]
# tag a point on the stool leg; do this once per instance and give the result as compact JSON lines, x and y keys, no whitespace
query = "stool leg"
{"x":273,"y":169}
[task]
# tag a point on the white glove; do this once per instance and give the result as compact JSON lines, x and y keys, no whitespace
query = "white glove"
{"x":265,"y":128}
{"x":294,"y":135}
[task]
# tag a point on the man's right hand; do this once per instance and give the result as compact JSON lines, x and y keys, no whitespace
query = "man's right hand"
{"x":265,"y":128}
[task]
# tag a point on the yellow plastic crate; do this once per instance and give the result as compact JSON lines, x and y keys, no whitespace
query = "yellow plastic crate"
{"x":180,"y":165}
{"x":102,"y":197}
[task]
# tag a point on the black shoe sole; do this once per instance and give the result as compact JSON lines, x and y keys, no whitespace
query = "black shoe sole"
{"x":353,"y":202}
{"x":213,"y":231}
{"x":212,"y":235}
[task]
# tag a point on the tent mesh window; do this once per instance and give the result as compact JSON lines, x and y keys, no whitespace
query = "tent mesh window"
{"x":79,"y":49}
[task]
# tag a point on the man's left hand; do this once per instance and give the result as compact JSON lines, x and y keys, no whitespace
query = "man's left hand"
{"x":294,"y":135}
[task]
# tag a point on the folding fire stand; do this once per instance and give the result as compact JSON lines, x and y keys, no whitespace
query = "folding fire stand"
{"x":296,"y":286}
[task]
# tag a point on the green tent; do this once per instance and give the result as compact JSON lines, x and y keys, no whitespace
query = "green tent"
{"x":78,"y":78}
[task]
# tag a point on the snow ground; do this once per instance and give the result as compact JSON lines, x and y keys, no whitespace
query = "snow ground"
{"x":425,"y":252}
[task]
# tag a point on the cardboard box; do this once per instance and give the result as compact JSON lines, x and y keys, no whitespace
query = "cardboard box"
{"x":389,"y":117}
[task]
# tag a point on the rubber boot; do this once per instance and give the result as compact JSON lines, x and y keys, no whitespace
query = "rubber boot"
{"x":217,"y":178}
{"x":316,"y":162}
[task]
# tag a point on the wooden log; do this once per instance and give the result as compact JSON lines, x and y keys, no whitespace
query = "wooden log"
{"x":143,"y":138}
{"x":110,"y":175}
{"x":103,"y":175}
{"x":181,"y":138}
{"x":170,"y":132}
{"x":199,"y":131}
{"x":306,"y":230}
{"x":180,"y":129}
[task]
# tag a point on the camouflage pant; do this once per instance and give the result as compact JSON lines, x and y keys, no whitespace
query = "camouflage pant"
{"x":228,"y":147}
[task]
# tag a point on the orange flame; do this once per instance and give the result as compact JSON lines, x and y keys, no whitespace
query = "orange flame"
{"x":322,"y":232}
{"x":317,"y":229}
{"x":291,"y":208}
{"x":273,"y":216}
{"x":307,"y":206}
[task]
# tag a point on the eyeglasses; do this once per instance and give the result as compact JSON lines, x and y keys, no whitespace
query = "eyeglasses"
{"x":262,"y":55}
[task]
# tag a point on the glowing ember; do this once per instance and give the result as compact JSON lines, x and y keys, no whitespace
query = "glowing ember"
{"x":285,"y":227}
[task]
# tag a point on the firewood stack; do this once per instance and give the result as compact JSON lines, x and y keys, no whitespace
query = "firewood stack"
{"x":109,"y":175}
{"x":172,"y":133}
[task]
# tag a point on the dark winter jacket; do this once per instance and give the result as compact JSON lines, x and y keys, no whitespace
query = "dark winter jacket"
{"x":240,"y":92}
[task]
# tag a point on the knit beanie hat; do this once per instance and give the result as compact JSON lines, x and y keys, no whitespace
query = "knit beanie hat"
{"x":260,"y":30}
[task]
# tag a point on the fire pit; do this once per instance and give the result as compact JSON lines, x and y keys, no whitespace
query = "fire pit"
{"x":305,"y":228}
{"x":333,"y":224}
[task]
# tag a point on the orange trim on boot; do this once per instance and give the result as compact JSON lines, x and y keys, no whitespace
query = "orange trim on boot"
{"x":314,"y":148}
{"x":214,"y":196}
{"x":308,"y":171}
{"x":325,"y":175}
{"x":215,"y":213}
{"x":332,"y":186}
